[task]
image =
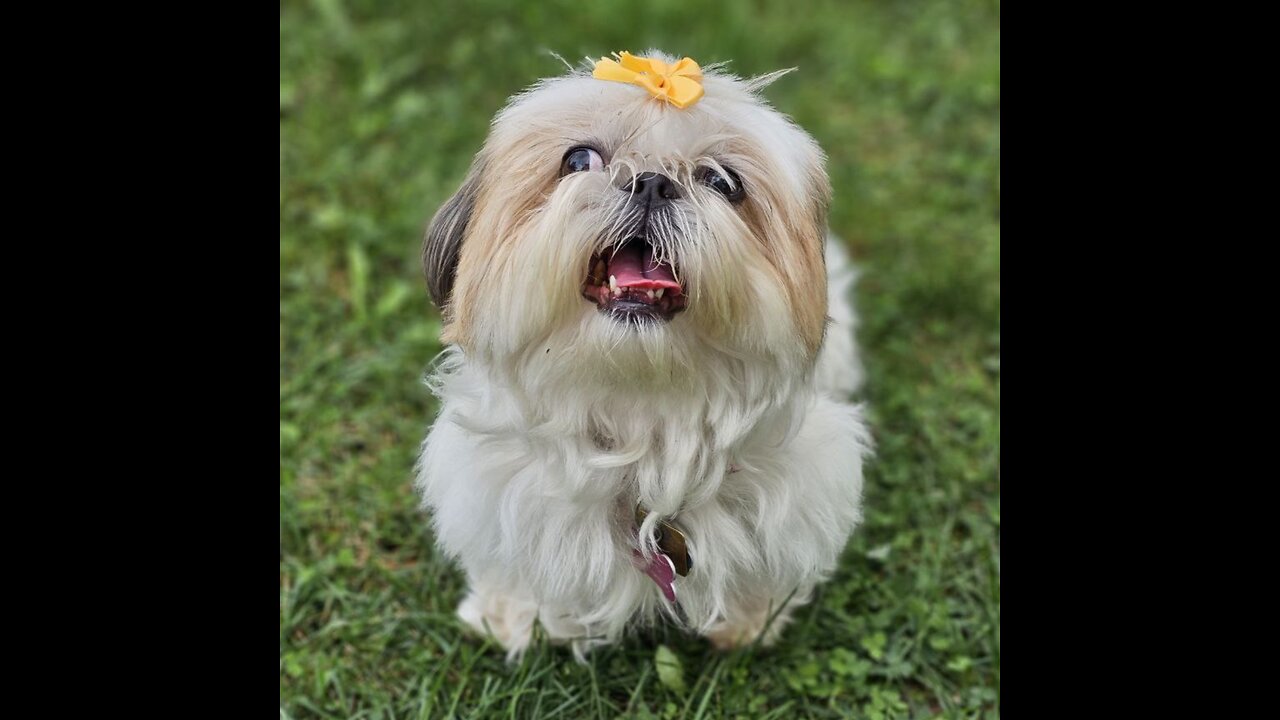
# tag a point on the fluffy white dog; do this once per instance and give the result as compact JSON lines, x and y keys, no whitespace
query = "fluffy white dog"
{"x":643,"y":402}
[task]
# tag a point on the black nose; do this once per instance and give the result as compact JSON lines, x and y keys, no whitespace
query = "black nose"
{"x":652,"y":189}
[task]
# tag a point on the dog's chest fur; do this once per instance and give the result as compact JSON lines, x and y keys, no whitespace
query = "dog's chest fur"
{"x":756,"y":476}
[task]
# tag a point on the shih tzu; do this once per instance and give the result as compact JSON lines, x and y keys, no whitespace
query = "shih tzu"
{"x":644,"y":399}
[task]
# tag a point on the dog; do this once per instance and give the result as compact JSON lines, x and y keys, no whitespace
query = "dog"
{"x":650,"y":350}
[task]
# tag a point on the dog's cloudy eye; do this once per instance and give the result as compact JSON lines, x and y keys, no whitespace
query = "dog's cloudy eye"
{"x":579,"y":159}
{"x":729,"y":185}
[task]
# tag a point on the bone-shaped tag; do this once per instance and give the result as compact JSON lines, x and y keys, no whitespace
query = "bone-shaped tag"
{"x":671,"y":541}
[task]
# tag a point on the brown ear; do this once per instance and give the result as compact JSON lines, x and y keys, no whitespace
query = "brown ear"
{"x":443,"y":241}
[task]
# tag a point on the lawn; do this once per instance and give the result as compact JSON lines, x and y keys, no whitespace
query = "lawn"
{"x":382,"y":105}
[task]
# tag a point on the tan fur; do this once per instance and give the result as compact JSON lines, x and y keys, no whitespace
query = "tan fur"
{"x":781,"y":224}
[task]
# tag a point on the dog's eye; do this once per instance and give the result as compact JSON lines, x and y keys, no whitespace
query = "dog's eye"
{"x":579,"y":159}
{"x":728,"y":185}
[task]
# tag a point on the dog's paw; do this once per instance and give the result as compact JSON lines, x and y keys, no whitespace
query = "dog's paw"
{"x":508,"y":620}
{"x":731,"y":635}
{"x":745,"y":627}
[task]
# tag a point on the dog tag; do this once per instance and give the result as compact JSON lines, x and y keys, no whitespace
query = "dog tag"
{"x":672,"y":543}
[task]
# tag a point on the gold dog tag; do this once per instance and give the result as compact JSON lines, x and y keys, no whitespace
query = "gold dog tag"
{"x":670,"y":541}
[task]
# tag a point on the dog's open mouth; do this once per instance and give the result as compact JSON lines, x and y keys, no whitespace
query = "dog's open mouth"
{"x":626,"y":281}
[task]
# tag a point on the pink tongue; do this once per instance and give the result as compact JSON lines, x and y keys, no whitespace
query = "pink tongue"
{"x":633,"y":267}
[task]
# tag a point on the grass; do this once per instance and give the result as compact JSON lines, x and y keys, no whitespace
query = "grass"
{"x":381,"y":107}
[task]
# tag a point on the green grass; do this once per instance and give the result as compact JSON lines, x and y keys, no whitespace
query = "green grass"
{"x":382,"y":106}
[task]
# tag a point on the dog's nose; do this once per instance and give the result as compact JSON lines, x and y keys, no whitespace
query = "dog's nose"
{"x":652,"y":189}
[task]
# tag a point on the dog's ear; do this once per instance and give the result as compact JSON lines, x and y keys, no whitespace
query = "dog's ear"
{"x":443,"y":241}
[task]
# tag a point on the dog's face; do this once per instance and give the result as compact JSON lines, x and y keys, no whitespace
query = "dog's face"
{"x":604,"y":223}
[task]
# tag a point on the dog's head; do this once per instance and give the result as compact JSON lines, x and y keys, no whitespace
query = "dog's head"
{"x":603,"y":221}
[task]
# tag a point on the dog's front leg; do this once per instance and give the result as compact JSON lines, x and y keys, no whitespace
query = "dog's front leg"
{"x":754,"y":617}
{"x":495,"y":608}
{"x":504,"y":613}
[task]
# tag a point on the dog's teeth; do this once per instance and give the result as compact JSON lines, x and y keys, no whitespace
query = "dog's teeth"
{"x":658,"y":293}
{"x":613,"y":285}
{"x":650,"y":294}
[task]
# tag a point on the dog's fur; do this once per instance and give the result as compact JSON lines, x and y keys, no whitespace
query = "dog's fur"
{"x":730,"y":419}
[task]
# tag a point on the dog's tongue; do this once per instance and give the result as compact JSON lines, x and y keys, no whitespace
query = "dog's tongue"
{"x":633,"y":267}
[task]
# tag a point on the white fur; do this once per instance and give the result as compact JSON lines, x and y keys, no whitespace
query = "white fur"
{"x":556,"y":420}
{"x":839,"y":370}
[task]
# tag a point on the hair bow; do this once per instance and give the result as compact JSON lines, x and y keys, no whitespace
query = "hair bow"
{"x":679,"y":84}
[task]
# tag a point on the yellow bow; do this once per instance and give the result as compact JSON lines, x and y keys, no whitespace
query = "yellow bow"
{"x":679,"y":84}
